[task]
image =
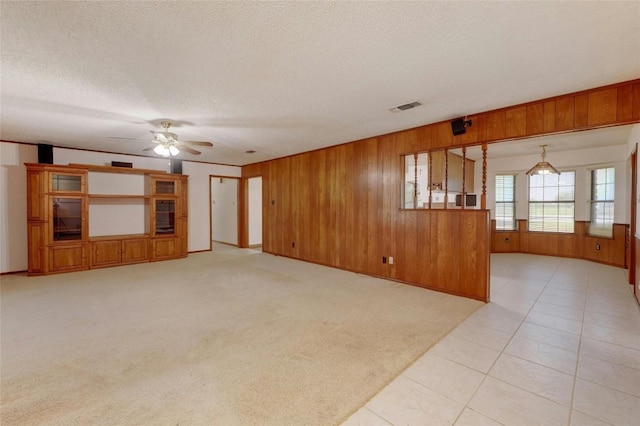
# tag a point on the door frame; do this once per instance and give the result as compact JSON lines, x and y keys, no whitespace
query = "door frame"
{"x":239,"y":208}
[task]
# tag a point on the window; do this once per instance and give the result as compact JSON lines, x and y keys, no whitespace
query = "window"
{"x":416,"y":180}
{"x":602,"y":198}
{"x":505,"y":202}
{"x":552,"y":202}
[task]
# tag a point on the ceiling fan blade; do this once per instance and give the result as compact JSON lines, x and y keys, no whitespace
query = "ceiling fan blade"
{"x":189,"y":150}
{"x":127,"y":139}
{"x":150,"y":147}
{"x":198,"y":143}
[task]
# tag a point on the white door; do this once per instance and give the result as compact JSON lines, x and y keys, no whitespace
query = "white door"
{"x":224,"y":210}
{"x":255,"y":211}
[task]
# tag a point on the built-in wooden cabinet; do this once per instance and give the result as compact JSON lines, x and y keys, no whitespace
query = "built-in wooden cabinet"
{"x":82,"y":216}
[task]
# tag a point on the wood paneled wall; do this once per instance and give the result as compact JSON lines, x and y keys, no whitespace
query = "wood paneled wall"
{"x":578,"y":245}
{"x":340,"y":206}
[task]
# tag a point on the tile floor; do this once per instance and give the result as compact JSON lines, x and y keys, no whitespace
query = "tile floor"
{"x":559,"y":344}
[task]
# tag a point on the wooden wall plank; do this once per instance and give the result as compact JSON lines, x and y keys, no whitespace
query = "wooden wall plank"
{"x":496,"y":127}
{"x":581,"y":103}
{"x":535,"y":118}
{"x":624,"y":109}
{"x":549,"y":116}
{"x":636,"y":101}
{"x":565,"y":113}
{"x":602,"y":106}
{"x":516,"y":122}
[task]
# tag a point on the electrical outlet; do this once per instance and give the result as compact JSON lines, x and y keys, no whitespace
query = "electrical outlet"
{"x":384,"y":259}
{"x":597,"y":246}
{"x":390,"y":260}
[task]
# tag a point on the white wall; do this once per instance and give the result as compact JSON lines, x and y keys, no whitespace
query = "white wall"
{"x":581,"y":161}
{"x":224,"y":210}
{"x":255,"y":210}
{"x":13,"y":194}
{"x":13,"y":204}
{"x":199,"y":176}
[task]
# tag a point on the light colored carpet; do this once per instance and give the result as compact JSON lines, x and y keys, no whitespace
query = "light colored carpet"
{"x":233,"y":337}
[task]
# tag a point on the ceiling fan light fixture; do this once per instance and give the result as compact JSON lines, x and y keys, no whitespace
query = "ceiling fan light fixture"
{"x":543,"y":167}
{"x":166,"y":150}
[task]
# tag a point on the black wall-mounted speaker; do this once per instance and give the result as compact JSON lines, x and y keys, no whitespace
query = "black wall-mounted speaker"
{"x":121,"y":164}
{"x":458,"y":127}
{"x":176,"y":166}
{"x":45,"y":153}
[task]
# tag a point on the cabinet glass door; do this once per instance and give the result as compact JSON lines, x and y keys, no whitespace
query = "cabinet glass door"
{"x":66,"y":183}
{"x":165,"y":187}
{"x":165,"y":217}
{"x":67,"y":219}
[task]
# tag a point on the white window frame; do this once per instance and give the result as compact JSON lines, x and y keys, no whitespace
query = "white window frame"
{"x":601,"y":225}
{"x":501,"y":219}
{"x":549,"y":206}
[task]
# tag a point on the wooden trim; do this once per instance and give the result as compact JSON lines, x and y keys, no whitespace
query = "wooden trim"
{"x":112,"y":196}
{"x":199,"y":251}
{"x":24,"y":271}
{"x":112,"y":169}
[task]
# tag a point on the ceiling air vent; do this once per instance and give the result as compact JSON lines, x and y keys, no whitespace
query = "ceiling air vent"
{"x":405,"y":107}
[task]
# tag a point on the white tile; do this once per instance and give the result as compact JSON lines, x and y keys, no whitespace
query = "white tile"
{"x":626,"y":309}
{"x":449,"y":378}
{"x":615,"y":354}
{"x":510,"y":405}
{"x":615,"y":376}
{"x":525,"y":289}
{"x":581,"y":419}
{"x":509,"y":301}
{"x":536,"y":378}
{"x":404,"y":401}
{"x":544,"y":354}
{"x":573,"y":293}
{"x":557,"y":323}
{"x":612,"y":336}
{"x":365,"y":417}
{"x":570,"y":302}
{"x":606,"y":404}
{"x":629,"y":324}
{"x":473,"y":418}
{"x":493,"y":308}
{"x":549,"y":336}
{"x":558,"y":311}
{"x":482,"y":335}
{"x":497,"y":321}
{"x":469,"y":354}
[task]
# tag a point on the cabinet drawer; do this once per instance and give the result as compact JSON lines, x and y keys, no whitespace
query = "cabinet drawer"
{"x":67,"y":258}
{"x":135,"y":250}
{"x":165,"y":248}
{"x":105,"y":253}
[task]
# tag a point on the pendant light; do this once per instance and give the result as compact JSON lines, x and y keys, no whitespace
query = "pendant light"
{"x":543,"y":168}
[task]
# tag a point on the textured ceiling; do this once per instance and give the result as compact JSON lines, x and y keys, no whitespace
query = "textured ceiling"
{"x":285,"y":77}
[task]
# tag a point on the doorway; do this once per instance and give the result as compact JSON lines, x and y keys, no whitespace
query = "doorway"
{"x":224,"y":210}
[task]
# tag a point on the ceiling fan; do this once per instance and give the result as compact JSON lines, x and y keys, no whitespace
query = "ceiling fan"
{"x":167,"y":144}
